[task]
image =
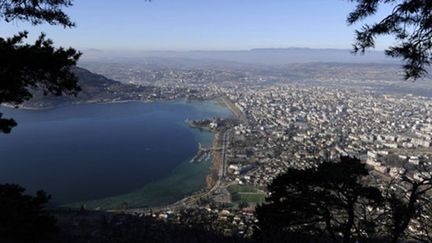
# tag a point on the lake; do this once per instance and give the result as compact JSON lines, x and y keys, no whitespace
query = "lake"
{"x":105,"y":155}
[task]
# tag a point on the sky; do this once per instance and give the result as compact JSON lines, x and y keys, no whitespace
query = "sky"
{"x":184,"y":25}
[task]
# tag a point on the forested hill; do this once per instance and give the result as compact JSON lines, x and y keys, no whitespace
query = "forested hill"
{"x":95,"y":89}
{"x":89,"y":79}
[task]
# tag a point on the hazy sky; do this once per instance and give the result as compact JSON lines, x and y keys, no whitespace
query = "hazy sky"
{"x":202,"y":25}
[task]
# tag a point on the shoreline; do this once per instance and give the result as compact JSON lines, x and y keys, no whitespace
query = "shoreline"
{"x":225,"y":101}
{"x":41,"y":108}
{"x":216,"y":163}
{"x":216,"y":169}
{"x":211,"y":179}
{"x":222,"y":100}
{"x":95,"y":102}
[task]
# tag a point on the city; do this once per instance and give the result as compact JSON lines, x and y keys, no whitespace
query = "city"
{"x":284,"y":126}
{"x":215,"y":121}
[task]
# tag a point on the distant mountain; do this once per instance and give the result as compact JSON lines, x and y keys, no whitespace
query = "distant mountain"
{"x":268,"y":56}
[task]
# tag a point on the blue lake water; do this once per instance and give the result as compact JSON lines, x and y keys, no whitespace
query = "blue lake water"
{"x":105,"y":155}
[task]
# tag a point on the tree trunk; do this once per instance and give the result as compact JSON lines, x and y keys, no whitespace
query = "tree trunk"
{"x":400,"y":228}
{"x":349,"y":224}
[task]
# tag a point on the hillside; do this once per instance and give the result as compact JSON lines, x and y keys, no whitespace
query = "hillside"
{"x":95,"y":88}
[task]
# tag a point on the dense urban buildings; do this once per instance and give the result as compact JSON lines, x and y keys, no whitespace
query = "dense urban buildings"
{"x":287,"y":123}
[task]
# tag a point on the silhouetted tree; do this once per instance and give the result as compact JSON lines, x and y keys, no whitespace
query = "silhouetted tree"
{"x":334,"y":203}
{"x":411,"y":207}
{"x":320,"y":203}
{"x":41,"y":66}
{"x":22,"y":217}
{"x":410,"y":22}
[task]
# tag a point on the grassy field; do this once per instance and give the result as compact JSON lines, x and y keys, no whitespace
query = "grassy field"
{"x":247,"y":194}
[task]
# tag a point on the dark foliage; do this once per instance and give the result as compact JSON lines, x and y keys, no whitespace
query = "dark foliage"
{"x":22,"y":217}
{"x":410,"y":22}
{"x":322,"y":203}
{"x":334,"y":203}
{"x":103,"y":227}
{"x":36,"y":11}
{"x":38,"y":66}
{"x":413,"y":205}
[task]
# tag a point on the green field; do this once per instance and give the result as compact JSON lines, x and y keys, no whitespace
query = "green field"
{"x":247,"y":194}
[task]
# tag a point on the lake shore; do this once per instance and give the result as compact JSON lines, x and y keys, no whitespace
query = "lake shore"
{"x":225,"y":101}
{"x":48,"y":107}
{"x":211,"y":178}
{"x":216,"y":172}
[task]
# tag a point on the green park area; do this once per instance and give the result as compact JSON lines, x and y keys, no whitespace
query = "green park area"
{"x":246,"y":194}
